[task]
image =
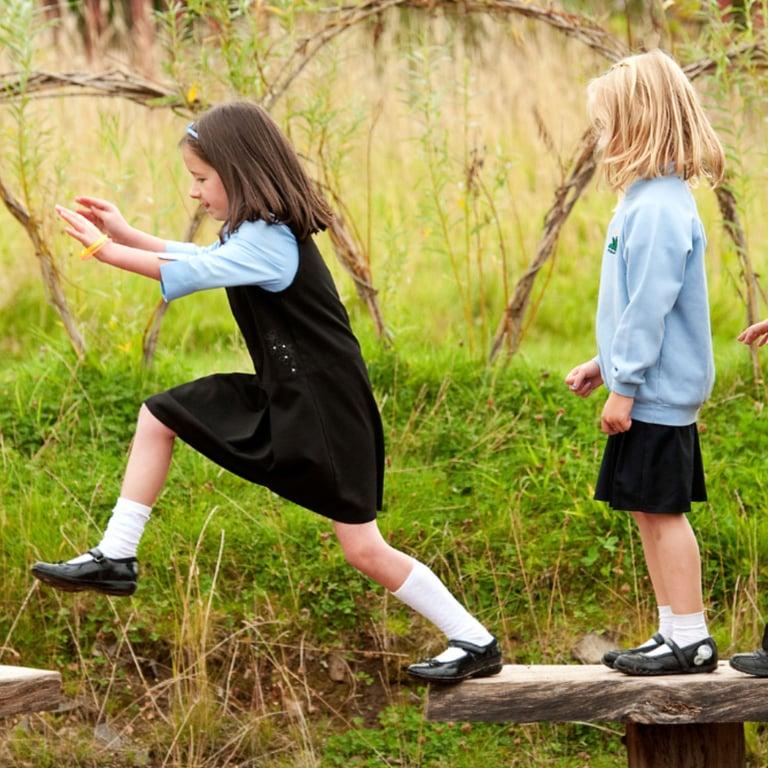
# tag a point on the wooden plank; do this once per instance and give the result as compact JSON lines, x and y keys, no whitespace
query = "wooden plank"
{"x":693,"y":745}
{"x":594,"y":693}
{"x":28,"y":690}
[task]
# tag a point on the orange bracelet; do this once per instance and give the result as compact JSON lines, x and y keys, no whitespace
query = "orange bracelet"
{"x":95,"y":246}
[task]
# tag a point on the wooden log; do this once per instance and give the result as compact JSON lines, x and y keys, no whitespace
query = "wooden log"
{"x":567,"y":693}
{"x":693,"y":745}
{"x":28,"y":690}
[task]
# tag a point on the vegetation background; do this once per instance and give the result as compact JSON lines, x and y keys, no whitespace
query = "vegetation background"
{"x":442,"y":134}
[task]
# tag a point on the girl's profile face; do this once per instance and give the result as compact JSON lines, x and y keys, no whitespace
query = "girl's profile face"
{"x":206,"y":185}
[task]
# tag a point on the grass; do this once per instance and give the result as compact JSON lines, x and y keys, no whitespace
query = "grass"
{"x":243,"y":597}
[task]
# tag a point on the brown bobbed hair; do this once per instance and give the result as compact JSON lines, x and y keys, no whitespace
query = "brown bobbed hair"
{"x":259,"y":169}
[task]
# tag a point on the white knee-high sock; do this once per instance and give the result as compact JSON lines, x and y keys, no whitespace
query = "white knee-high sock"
{"x":124,"y":530}
{"x":427,"y":595}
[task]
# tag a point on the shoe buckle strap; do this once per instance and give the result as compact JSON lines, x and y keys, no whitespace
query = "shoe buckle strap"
{"x":96,"y":554}
{"x":679,"y":655}
{"x":465,"y":645}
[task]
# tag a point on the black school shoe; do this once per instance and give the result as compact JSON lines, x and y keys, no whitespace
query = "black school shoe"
{"x":609,"y":657}
{"x":479,"y":661}
{"x":691,"y":659}
{"x":753,"y":663}
{"x":102,"y":574}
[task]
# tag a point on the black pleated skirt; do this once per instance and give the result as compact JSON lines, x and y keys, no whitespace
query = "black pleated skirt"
{"x":652,"y":468}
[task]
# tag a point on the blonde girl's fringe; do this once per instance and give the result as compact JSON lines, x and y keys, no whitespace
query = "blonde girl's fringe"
{"x":649,"y":123}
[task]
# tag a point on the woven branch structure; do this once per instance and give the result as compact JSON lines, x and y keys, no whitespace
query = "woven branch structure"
{"x":120,"y":84}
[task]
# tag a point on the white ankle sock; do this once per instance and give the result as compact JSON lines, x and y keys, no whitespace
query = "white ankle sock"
{"x":665,"y":620}
{"x":687,"y":628}
{"x":427,"y":595}
{"x":124,"y":530}
{"x":665,"y":627}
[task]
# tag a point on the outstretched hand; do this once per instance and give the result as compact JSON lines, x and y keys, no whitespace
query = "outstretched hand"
{"x":78,"y":226}
{"x":757,"y":333}
{"x":105,"y":215}
{"x":584,"y":379}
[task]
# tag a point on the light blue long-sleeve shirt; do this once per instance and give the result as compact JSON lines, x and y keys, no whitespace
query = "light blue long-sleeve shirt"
{"x":653,"y":329}
{"x":256,"y":253}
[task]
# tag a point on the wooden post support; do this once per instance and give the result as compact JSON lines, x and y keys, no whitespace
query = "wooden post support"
{"x":677,"y":721}
{"x":693,"y":745}
{"x":28,"y":690}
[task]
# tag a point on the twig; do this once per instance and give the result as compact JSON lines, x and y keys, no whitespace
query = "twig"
{"x":727,"y":202}
{"x":48,"y":267}
{"x":113,"y":83}
{"x":566,"y":195}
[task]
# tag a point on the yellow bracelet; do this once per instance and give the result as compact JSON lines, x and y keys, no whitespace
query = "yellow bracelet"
{"x":95,"y":246}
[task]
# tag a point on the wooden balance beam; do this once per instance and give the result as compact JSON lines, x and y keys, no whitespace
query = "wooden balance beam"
{"x":25,"y":690}
{"x":680,"y":721}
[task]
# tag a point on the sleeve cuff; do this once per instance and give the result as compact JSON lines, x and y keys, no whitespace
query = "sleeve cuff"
{"x":625,"y":390}
{"x":172,"y":284}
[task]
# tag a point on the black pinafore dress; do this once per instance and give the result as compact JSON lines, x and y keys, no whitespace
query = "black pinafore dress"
{"x":305,"y":424}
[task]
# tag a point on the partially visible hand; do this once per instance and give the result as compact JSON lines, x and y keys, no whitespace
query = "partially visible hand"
{"x":106,"y":216}
{"x":755,"y":333}
{"x":584,"y":379}
{"x":616,"y":416}
{"x":78,"y":226}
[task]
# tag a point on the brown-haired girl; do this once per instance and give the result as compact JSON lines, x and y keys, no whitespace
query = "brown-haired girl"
{"x":654,"y":340}
{"x":306,"y":424}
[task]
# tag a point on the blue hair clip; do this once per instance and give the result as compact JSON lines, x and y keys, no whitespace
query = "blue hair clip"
{"x":192,"y":131}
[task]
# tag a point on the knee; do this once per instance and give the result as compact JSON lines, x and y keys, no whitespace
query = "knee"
{"x":362,"y":555}
{"x":151,"y":426}
{"x":656,"y":524}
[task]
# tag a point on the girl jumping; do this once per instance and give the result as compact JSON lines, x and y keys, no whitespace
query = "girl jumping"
{"x":305,"y":424}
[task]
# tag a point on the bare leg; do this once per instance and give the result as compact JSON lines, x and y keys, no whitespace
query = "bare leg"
{"x":149,"y":459}
{"x":145,"y":475}
{"x":675,"y":567}
{"x":365,"y":549}
{"x":651,"y":557}
{"x":414,"y":584}
{"x":675,"y":562}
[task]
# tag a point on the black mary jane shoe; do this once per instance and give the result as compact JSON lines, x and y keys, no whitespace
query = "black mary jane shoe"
{"x":756,"y":663}
{"x":102,"y":574}
{"x":609,"y":657}
{"x":688,"y":660}
{"x":478,"y":661}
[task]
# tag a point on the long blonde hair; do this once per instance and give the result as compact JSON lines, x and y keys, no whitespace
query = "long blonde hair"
{"x":650,"y":123}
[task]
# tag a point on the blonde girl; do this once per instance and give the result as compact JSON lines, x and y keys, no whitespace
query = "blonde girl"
{"x":654,"y":341}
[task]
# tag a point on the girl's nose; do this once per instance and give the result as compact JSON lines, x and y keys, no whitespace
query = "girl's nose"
{"x":194,"y":193}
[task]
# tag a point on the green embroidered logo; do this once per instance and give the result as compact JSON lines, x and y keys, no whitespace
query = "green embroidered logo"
{"x":614,"y":244}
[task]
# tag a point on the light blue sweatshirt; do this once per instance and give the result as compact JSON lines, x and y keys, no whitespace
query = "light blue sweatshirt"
{"x":653,"y":331}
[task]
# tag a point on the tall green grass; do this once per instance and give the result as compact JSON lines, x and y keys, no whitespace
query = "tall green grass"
{"x":243,"y":597}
